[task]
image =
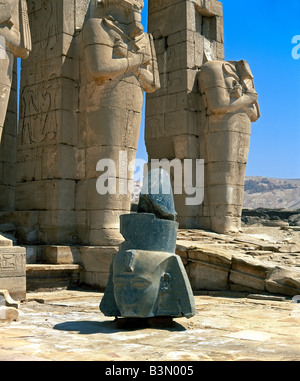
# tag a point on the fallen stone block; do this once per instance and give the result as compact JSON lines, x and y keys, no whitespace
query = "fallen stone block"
{"x":249,"y":272}
{"x":206,"y":276}
{"x":284,"y":281}
{"x":260,"y":244}
{"x":208,"y":268}
{"x":7,"y":300}
{"x":8,"y":314}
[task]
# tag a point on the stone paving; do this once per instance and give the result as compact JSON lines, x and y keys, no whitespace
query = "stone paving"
{"x":66,"y":325}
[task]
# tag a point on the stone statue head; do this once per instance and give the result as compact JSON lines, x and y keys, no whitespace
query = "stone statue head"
{"x":127,"y":12}
{"x":243,"y":78}
{"x":146,"y":284}
{"x":229,"y":87}
{"x":232,"y":74}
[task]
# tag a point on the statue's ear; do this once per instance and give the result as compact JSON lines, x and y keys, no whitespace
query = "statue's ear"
{"x":165,"y":282}
{"x":181,"y":288}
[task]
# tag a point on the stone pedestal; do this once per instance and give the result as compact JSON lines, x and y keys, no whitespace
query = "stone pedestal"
{"x":13,"y":271}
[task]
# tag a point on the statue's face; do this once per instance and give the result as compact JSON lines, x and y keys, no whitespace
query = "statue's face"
{"x":137,"y":282}
{"x":134,"y":9}
{"x":126,"y":12}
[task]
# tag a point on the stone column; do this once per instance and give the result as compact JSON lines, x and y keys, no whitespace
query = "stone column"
{"x":186,"y":33}
{"x":118,"y":64}
{"x":14,"y":42}
{"x":231,"y":101}
{"x":46,"y":159}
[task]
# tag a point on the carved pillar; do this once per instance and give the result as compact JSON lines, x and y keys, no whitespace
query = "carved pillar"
{"x":118,"y":64}
{"x":8,"y":149}
{"x":14,"y":42}
{"x":46,"y":161}
{"x":231,"y":106}
{"x":186,"y":33}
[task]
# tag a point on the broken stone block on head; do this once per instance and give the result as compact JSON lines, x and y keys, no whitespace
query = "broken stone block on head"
{"x":157,"y":195}
{"x":147,"y":279}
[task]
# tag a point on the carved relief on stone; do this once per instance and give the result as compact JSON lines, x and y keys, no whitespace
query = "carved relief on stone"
{"x":12,"y":262}
{"x":231,"y":103}
{"x":38,"y":113}
{"x":119,"y":64}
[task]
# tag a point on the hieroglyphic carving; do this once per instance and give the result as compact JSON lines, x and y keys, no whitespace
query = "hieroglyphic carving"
{"x":12,"y":262}
{"x":38,"y":113}
{"x":44,"y":18}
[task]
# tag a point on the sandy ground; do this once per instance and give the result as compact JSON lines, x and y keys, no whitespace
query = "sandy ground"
{"x":68,"y":326}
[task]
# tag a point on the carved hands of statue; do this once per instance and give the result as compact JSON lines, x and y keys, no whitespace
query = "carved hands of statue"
{"x":229,"y":88}
{"x":136,"y":59}
{"x":250,"y":96}
{"x":246,"y":100}
{"x":141,"y":55}
{"x":148,"y":72}
{"x":236,"y":91}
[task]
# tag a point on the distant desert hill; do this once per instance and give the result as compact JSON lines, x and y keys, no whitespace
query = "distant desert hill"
{"x":266,"y":192}
{"x":260,"y":192}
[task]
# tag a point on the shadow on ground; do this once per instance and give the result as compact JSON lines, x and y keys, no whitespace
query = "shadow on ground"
{"x":94,"y":327}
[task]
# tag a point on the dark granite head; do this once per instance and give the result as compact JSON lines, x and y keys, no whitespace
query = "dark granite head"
{"x":147,"y":278}
{"x":146,"y":284}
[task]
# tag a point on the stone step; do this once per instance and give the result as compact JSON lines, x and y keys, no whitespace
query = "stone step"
{"x":41,"y":277}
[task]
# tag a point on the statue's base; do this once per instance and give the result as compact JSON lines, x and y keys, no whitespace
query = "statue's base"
{"x":152,"y":322}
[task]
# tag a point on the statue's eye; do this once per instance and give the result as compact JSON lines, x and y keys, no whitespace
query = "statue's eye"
{"x":119,"y":284}
{"x":141,"y":283}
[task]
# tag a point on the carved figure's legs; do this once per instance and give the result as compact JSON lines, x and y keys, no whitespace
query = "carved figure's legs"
{"x":227,"y":154}
{"x":112,"y":123}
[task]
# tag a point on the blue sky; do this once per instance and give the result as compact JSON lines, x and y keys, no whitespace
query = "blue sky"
{"x":261,"y":32}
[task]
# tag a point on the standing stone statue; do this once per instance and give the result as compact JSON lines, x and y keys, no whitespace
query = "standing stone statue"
{"x":119,"y":64}
{"x":231,"y":104}
{"x":147,"y":278}
{"x":15,"y":41}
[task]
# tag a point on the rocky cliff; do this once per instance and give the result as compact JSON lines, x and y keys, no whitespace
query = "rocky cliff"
{"x":271,"y":193}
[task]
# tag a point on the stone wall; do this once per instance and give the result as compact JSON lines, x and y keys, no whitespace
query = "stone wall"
{"x":48,"y":130}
